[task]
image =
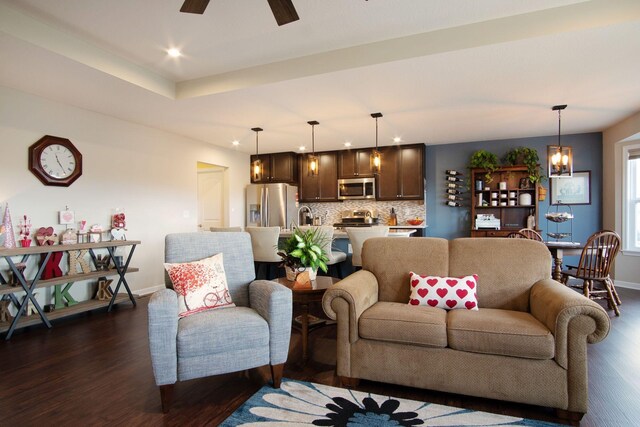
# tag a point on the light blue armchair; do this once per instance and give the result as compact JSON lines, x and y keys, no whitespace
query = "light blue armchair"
{"x":254,"y":333}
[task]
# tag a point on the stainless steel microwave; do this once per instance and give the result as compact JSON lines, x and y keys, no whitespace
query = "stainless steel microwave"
{"x":356,"y":188}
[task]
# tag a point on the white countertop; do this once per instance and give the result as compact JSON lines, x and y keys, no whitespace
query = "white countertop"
{"x":401,"y":231}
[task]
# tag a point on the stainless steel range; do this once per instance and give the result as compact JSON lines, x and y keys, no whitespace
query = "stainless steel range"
{"x":358,"y":218}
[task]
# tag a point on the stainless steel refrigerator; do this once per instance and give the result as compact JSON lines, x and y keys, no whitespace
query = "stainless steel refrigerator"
{"x":270,"y":205}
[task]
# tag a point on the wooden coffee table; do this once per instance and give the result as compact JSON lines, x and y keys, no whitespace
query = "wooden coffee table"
{"x":302,"y":298}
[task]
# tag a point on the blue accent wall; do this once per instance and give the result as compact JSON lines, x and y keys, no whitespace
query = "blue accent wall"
{"x":452,"y":222}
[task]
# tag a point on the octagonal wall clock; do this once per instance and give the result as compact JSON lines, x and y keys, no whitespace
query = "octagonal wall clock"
{"x":55,"y":161}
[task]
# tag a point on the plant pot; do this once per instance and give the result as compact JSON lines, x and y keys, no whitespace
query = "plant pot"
{"x":292,"y":274}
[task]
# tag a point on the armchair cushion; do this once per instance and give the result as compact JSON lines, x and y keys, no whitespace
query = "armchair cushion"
{"x":222,"y":331}
{"x":501,"y":332}
{"x":397,"y":322}
{"x":202,"y":285}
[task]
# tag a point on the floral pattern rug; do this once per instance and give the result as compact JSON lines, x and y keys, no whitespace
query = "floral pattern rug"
{"x":299,"y":403}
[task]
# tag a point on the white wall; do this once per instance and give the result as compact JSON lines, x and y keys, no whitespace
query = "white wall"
{"x":627,"y":266}
{"x":149,"y":173}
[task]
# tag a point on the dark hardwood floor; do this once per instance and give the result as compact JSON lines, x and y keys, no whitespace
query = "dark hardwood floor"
{"x":95,"y":369}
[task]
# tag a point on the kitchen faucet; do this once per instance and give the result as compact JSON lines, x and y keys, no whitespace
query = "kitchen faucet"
{"x":301,"y":210}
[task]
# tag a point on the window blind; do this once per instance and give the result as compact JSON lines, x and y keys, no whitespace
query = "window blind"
{"x":634,"y":153}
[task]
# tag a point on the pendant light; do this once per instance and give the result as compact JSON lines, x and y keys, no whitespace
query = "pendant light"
{"x":376,"y":157}
{"x":256,"y":166}
{"x":559,"y":157}
{"x":312,"y":160}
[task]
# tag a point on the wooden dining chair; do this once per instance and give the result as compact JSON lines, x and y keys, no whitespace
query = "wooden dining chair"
{"x":516,"y":235}
{"x":531,"y":234}
{"x":595,"y":264}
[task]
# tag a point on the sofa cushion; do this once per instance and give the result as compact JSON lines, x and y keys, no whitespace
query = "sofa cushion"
{"x":402,"y":323}
{"x":507,"y":268}
{"x":391,"y":259}
{"x":222,"y":331}
{"x":501,"y":332}
{"x":449,"y":293}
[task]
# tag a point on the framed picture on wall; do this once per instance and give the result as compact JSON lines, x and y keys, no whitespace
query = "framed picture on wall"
{"x":575,"y":190}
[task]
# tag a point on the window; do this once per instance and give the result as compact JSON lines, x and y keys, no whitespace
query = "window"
{"x":631,"y":211}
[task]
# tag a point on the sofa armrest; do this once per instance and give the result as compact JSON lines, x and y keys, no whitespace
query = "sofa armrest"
{"x":359,"y":291}
{"x":163,"y":332}
{"x":558,"y":307}
{"x":273,"y":302}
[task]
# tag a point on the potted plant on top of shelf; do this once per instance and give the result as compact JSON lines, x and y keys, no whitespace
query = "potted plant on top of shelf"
{"x":485,"y":160}
{"x":528,"y":157}
{"x":303,"y":251}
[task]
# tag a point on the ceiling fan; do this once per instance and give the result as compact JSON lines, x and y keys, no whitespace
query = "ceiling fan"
{"x":283,"y":10}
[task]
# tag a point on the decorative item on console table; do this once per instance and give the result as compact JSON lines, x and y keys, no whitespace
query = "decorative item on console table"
{"x":9,"y":238}
{"x":302,"y":251}
{"x":25,"y":231}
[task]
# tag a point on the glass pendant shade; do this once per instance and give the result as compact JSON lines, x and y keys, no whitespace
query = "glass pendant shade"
{"x":256,"y":170}
{"x":376,"y":161}
{"x":559,"y":157}
{"x":560,"y":161}
{"x":376,"y":157}
{"x":256,"y":166}
{"x":313,"y":164}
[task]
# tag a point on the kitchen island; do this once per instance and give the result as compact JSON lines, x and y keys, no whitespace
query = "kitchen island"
{"x":395,"y":231}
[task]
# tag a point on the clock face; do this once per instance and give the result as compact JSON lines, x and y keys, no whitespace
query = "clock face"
{"x":57,"y":161}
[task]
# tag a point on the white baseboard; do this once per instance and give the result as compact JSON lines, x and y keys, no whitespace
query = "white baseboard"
{"x":629,"y":285}
{"x":152,"y":289}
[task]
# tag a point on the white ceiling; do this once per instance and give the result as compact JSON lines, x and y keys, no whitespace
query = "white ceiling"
{"x":441,"y":71}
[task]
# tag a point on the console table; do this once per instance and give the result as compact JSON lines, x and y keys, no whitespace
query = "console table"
{"x":29,"y":285}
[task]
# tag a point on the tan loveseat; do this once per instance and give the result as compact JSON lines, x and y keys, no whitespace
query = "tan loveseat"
{"x":526,"y":343}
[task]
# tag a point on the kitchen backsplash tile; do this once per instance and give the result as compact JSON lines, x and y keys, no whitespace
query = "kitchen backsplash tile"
{"x":331,"y":212}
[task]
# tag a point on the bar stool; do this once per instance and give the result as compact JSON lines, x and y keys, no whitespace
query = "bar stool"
{"x":357,"y":236}
{"x":336,"y":258}
{"x":264,"y":242}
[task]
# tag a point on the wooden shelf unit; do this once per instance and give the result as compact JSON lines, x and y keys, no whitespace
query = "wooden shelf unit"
{"x":512,"y":218}
{"x":30,"y":284}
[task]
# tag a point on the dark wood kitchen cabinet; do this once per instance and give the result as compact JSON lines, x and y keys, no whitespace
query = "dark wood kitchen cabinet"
{"x":354,"y":164}
{"x":402,"y":173}
{"x":324,"y":186}
{"x":277,"y":167}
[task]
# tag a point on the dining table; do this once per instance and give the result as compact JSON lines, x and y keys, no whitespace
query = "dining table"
{"x":560,"y":249}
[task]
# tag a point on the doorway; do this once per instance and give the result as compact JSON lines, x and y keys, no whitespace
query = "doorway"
{"x":211,"y":196}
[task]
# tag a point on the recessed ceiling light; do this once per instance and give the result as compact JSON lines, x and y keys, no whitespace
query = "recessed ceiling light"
{"x":397,"y":139}
{"x":302,"y":148}
{"x":347,"y":144}
{"x":236,"y":142}
{"x":174,"y":52}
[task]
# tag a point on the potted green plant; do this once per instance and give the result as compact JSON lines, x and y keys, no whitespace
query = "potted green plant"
{"x":528,"y":157}
{"x":303,"y":251}
{"x":485,"y":160}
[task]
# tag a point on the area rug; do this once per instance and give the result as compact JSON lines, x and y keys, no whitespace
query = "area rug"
{"x":299,"y":403}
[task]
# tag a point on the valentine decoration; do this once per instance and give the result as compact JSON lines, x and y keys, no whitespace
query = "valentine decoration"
{"x":66,"y":217}
{"x":69,"y":236}
{"x":118,"y":226}
{"x":25,"y":231}
{"x":95,"y":233}
{"x":9,"y":238}
{"x":46,"y":236}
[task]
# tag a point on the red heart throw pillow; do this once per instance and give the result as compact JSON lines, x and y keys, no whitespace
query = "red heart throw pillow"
{"x":462,"y":295}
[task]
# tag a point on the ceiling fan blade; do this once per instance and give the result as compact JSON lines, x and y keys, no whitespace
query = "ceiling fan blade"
{"x":194,"y":6}
{"x":283,"y":11}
